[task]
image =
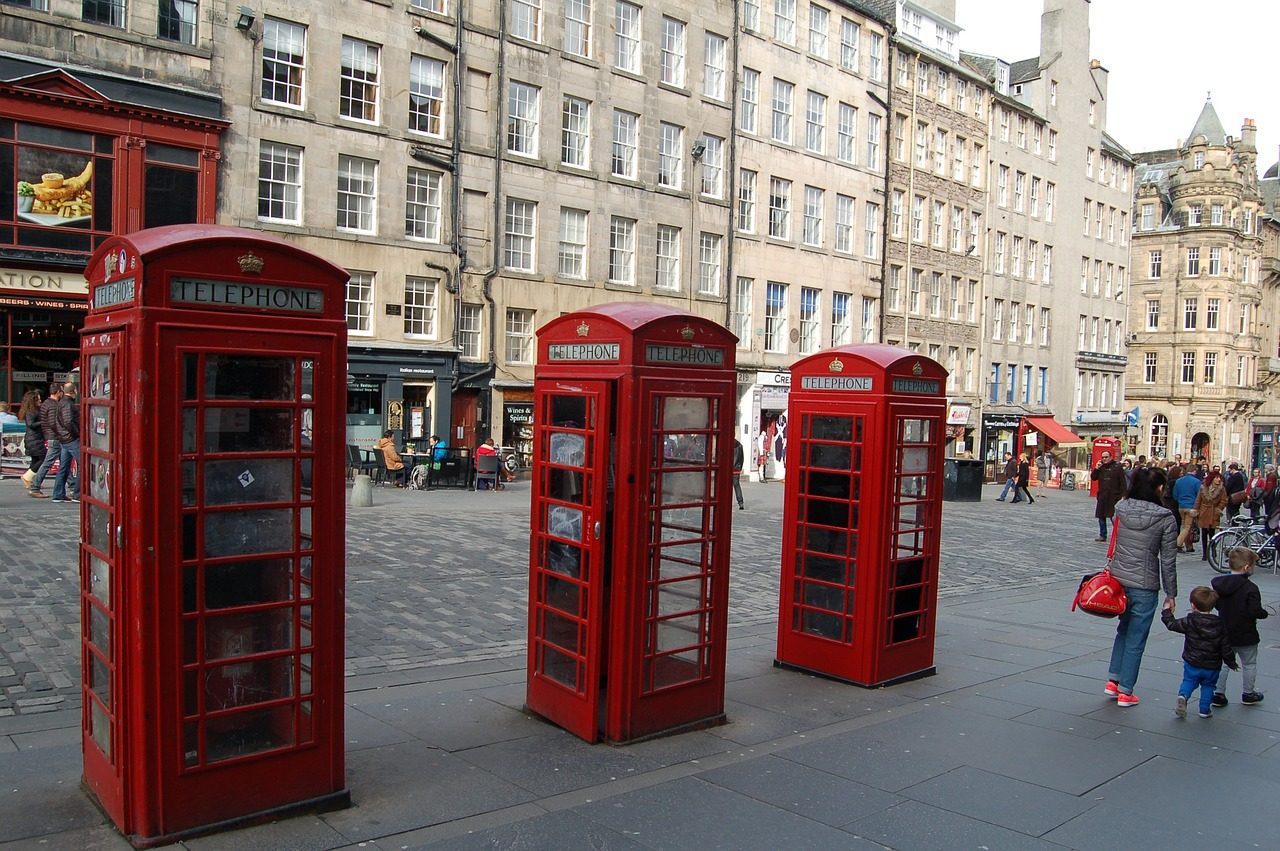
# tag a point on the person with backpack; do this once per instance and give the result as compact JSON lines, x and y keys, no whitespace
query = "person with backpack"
{"x":1237,"y":490}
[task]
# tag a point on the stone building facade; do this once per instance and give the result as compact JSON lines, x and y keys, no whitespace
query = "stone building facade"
{"x":936,"y":239}
{"x":1201,"y":346}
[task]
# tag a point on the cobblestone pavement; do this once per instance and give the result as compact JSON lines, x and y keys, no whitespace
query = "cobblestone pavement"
{"x":449,"y":584}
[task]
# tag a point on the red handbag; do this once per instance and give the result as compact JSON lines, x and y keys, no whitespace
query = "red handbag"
{"x":1101,"y":593}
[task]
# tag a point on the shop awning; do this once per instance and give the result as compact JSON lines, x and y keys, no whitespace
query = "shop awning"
{"x":1054,"y":430}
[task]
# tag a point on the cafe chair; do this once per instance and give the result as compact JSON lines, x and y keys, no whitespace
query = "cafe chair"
{"x":487,"y":470}
{"x":357,"y":464}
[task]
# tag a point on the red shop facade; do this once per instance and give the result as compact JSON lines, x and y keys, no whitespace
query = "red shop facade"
{"x":85,"y":156}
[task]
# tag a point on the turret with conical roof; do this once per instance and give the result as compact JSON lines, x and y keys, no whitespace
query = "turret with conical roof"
{"x":1208,"y":125}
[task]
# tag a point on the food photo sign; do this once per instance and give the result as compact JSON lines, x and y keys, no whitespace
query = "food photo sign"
{"x":55,"y":189}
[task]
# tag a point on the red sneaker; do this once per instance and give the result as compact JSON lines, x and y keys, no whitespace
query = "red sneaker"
{"x":1127,"y":700}
{"x":1112,"y":689}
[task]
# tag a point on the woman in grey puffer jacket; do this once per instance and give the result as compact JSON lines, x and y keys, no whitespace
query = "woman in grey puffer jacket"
{"x":1145,"y":561}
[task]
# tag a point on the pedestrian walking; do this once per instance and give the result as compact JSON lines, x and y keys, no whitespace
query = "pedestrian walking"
{"x":1257,"y":494}
{"x":1204,"y":650}
{"x":1210,"y":502}
{"x":762,"y":454}
{"x":1112,"y":486}
{"x":1185,"y":491}
{"x":29,"y":413}
{"x":1044,"y":471}
{"x":1240,"y":606}
{"x":1024,"y":480}
{"x":53,"y":448}
{"x":1237,"y":492}
{"x":1010,"y":478}
{"x":739,"y":461}
{"x":1145,"y":561}
{"x":66,"y":484}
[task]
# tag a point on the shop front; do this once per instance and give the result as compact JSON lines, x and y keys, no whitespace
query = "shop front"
{"x":999,"y":435}
{"x":407,"y":391}
{"x":1266,"y":438}
{"x":762,"y":423}
{"x":517,"y":422}
{"x":959,"y":431}
{"x":84,"y":157}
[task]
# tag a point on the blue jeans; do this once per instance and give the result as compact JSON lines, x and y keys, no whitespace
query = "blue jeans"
{"x":70,"y":450}
{"x":1131,"y":637}
{"x":1206,"y":679}
{"x":1009,"y":485}
{"x":52,"y":453}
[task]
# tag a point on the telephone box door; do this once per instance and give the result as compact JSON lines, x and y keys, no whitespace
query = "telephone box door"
{"x":680,"y":591}
{"x":255,"y":662}
{"x":568,"y":565}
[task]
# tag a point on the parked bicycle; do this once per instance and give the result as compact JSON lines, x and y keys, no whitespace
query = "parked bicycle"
{"x":1243,"y":533}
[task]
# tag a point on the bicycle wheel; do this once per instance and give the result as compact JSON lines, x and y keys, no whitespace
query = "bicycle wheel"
{"x":1260,"y":541}
{"x":1222,"y":543}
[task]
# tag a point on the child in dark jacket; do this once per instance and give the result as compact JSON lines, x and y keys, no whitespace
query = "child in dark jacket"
{"x":1240,"y":606}
{"x":1205,"y":649}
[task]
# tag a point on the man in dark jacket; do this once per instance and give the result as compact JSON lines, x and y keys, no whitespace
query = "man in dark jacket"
{"x":1010,"y":477}
{"x":1112,"y":486}
{"x":1234,"y":483}
{"x":739,"y":461}
{"x":1204,"y":651}
{"x":66,"y":429}
{"x":48,"y":415}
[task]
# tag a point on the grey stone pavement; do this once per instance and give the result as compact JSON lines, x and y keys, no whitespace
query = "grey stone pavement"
{"x":1010,"y":745}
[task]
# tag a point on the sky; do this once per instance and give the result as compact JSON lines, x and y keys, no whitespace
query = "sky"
{"x":1155,"y":90}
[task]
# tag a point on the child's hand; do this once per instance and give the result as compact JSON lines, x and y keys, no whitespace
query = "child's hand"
{"x":1168,"y":604}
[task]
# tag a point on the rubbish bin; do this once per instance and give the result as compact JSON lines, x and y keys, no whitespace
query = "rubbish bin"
{"x":962,"y":480}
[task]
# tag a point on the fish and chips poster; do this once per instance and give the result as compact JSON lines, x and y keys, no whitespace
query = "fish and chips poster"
{"x":55,"y":188}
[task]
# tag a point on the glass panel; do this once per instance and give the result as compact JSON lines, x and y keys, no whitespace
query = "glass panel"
{"x":678,"y":633}
{"x":565,"y":559}
{"x":834,"y":428}
{"x":560,"y":667}
{"x":561,"y":631}
{"x":568,"y":597}
{"x":190,"y":377}
{"x":831,"y":541}
{"x":564,"y":522}
{"x":819,"y":623}
{"x":834,"y":485}
{"x":681,"y":413}
{"x":669,"y":569}
{"x":909,"y":572}
{"x":99,"y":477}
{"x":913,"y":487}
{"x":100,"y":678}
{"x":306,"y":728}
{"x":568,"y":412}
{"x":100,"y":728}
{"x":99,"y":376}
{"x":242,"y":480}
{"x":99,"y":427}
{"x":248,"y":583}
{"x":248,"y":430}
{"x":916,"y":431}
{"x":821,"y":568}
{"x":247,"y":733}
{"x":100,"y":579}
{"x":100,"y":528}
{"x":243,"y":634}
{"x":240,"y":533}
{"x":308,"y":379}
{"x":304,"y":674}
{"x":826,"y":513}
{"x":827,"y":597}
{"x":304,"y":635}
{"x":912,"y":515}
{"x":188,"y":483}
{"x":190,"y":642}
{"x":688,"y":519}
{"x":100,"y":630}
{"x":831,"y":457}
{"x":304,"y":570}
{"x":188,"y":430}
{"x":248,"y":377}
{"x":679,"y":597}
{"x":690,"y":486}
{"x":566,"y":485}
{"x":191,"y":743}
{"x":915,"y":459}
{"x":568,"y":450}
{"x":904,"y":628}
{"x":677,"y":668}
{"x":247,"y":683}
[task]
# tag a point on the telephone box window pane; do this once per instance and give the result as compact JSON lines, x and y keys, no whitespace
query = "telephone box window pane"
{"x":915,"y":459}
{"x":244,"y":480}
{"x":913,"y":487}
{"x":564,"y":522}
{"x":836,"y":542}
{"x":822,"y":568}
{"x":100,"y":579}
{"x":680,"y":413}
{"x":826,"y":597}
{"x":100,"y":630}
{"x":99,"y":428}
{"x":100,"y":377}
{"x":243,"y":634}
{"x":188,"y":483}
{"x":905,"y":628}
{"x":304,"y":674}
{"x":249,"y":430}
{"x":247,"y":683}
{"x":838,"y":429}
{"x":190,"y":649}
{"x":99,"y":478}
{"x":100,"y":679}
{"x":824,"y":512}
{"x":567,"y":450}
{"x":248,"y":377}
{"x":679,"y":597}
{"x":819,"y":623}
{"x":567,"y":597}
{"x":564,"y":559}
{"x":100,"y":528}
{"x":915,"y":431}
{"x":246,"y":733}
{"x":561,"y":631}
{"x":560,"y":667}
{"x":568,"y":412}
{"x":684,"y":487}
{"x":241,"y":533}
{"x":678,"y":634}
{"x":831,"y":457}
{"x":190,"y":377}
{"x":248,"y":583}
{"x":100,"y":728}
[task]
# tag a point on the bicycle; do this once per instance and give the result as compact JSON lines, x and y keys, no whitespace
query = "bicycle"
{"x":1243,"y":533}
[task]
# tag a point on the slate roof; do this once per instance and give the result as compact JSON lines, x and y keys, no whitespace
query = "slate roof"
{"x":1209,"y":126}
{"x":1024,"y":69}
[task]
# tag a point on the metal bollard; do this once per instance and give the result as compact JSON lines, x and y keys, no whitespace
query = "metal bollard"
{"x":362,"y":492}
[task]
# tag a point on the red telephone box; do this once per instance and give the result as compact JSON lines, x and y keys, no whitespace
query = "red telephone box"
{"x":212,"y":561}
{"x":862,"y":514}
{"x":631,"y":512}
{"x":1100,"y":445}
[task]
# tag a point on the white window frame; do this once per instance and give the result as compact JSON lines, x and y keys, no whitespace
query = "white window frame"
{"x":749,"y":101}
{"x":672,"y":65}
{"x":420,"y":307}
{"x":284,"y":51}
{"x":622,"y":251}
{"x":525,"y":20}
{"x":626,"y":141}
{"x":747,"y":180}
{"x":575,"y":132}
{"x":815,"y":122}
{"x":779,"y":208}
{"x":572,"y":252}
{"x":714,"y":50}
{"x":518,"y":340}
{"x":280,"y":182}
{"x":523,"y":105}
{"x":667,"y":253}
{"x":426,"y":96}
{"x":781,"y":105}
{"x":626,"y":36}
{"x":814,"y":211}
{"x":359,"y":80}
{"x":519,"y":235}
{"x":423,"y":204}
{"x":359,"y":303}
{"x":357,"y":194}
{"x":670,"y":156}
{"x":710,"y":263}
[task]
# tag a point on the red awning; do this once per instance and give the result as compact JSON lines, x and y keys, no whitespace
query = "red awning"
{"x":1054,"y":430}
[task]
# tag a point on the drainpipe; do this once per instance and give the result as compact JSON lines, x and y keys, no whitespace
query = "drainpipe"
{"x":731,"y":183}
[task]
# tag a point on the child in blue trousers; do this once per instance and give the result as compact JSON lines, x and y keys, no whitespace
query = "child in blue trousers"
{"x":1204,"y":650}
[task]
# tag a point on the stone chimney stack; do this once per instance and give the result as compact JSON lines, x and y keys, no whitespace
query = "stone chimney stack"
{"x":1249,"y":136}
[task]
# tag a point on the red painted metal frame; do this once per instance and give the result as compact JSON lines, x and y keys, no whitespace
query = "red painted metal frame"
{"x":636,"y":602}
{"x":850,"y":509}
{"x":160,"y":784}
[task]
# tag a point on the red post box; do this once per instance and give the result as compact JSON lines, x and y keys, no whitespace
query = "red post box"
{"x":213,"y":364}
{"x":1100,"y":445}
{"x":631,"y":512}
{"x":862,"y":514}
